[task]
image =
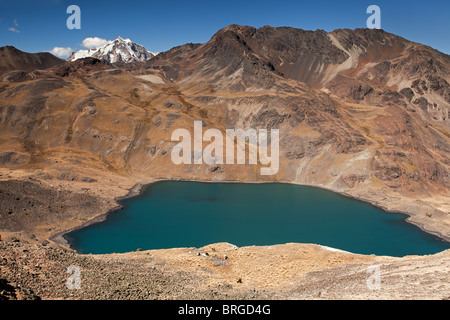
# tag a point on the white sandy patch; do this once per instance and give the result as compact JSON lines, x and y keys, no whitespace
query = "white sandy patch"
{"x":333,"y":249}
{"x":152,"y":78}
{"x":350,"y":63}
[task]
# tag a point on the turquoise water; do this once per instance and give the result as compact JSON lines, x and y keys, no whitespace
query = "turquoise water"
{"x":191,"y":214}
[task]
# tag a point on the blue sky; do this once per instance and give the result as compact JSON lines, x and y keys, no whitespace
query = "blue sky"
{"x":34,"y":26}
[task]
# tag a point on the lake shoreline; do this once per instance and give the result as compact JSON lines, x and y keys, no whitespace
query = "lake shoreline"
{"x":137,"y":190}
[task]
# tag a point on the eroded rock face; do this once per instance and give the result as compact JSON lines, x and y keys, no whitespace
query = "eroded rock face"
{"x":408,"y":93}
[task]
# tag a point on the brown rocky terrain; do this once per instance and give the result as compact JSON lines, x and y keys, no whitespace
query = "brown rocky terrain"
{"x":361,"y":112}
{"x":14,"y":59}
{"x":32,"y":269}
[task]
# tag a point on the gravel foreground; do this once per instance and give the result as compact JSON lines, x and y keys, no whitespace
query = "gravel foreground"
{"x":219,"y":271}
{"x":30,"y":271}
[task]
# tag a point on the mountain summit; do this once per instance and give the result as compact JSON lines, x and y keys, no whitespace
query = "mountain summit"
{"x":118,"y":50}
{"x":367,"y":66}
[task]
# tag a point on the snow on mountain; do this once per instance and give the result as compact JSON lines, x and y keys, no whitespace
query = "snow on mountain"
{"x":118,"y":50}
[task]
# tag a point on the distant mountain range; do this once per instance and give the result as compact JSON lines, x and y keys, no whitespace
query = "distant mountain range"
{"x":118,"y":50}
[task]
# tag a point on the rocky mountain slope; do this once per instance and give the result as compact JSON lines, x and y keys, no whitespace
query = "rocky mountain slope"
{"x":14,"y":59}
{"x":361,"y":112}
{"x":118,"y":50}
{"x":32,"y":269}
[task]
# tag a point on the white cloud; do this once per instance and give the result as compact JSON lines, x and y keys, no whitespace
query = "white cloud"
{"x":61,"y":52}
{"x":12,"y":29}
{"x":94,"y":42}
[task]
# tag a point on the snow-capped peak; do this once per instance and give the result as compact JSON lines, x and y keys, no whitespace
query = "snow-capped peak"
{"x":118,"y":50}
